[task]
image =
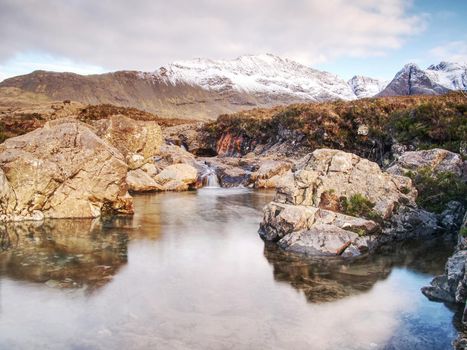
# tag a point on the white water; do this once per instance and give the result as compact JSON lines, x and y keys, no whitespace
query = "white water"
{"x":210,"y":179}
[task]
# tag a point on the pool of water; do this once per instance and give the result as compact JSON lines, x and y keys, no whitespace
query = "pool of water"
{"x":189,"y":271}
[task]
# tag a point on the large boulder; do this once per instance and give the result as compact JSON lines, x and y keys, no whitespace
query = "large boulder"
{"x":338,"y":203}
{"x":62,"y":170}
{"x":138,"y":141}
{"x":438,"y":160}
{"x":176,"y":177}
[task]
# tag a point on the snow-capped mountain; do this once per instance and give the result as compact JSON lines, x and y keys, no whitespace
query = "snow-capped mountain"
{"x":449,"y":74}
{"x":365,"y":86}
{"x":258,"y":75}
{"x":205,"y":88}
{"x":411,"y":80}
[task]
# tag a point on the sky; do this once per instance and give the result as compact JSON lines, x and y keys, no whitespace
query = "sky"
{"x":346,"y":37}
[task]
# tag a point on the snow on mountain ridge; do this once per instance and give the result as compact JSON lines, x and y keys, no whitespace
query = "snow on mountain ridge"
{"x":365,"y":86}
{"x":258,"y":74}
{"x":449,"y":74}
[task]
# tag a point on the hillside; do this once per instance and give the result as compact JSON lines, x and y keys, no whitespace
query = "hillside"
{"x":367,"y":127}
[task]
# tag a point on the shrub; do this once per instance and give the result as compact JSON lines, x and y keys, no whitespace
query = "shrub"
{"x":359,"y":205}
{"x":435,"y":190}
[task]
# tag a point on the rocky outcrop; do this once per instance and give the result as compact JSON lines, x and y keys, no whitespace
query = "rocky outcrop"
{"x":59,"y":171}
{"x":438,"y":160}
{"x":138,"y":141}
{"x":452,"y":285}
{"x":339,"y":203}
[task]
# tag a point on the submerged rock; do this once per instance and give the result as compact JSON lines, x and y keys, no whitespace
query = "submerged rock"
{"x":63,"y":170}
{"x":338,"y":203}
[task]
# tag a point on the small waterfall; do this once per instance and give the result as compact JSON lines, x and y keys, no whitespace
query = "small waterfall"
{"x":210,"y":178}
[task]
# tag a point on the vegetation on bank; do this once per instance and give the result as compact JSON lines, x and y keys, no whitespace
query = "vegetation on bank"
{"x":422,"y":121}
{"x":435,"y":190}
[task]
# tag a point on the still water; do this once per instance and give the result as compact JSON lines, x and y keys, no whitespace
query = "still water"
{"x":189,"y":271}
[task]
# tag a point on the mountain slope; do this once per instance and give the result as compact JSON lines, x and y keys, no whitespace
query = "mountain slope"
{"x":197,"y":89}
{"x":411,"y":80}
{"x":449,"y":74}
{"x":365,"y":86}
{"x":204,"y":88}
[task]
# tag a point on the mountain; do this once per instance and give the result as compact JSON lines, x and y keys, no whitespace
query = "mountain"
{"x":449,"y":74}
{"x":365,"y":86}
{"x":264,"y":76}
{"x":411,"y":80}
{"x":205,"y":88}
{"x":197,"y":89}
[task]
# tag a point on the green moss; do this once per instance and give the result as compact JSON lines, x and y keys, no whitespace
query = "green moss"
{"x":463,"y":231}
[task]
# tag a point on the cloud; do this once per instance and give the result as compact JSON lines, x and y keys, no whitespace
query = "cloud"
{"x":143,"y":34}
{"x":454,"y":51}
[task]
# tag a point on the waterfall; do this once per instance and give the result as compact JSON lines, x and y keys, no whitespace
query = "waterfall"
{"x":210,"y":178}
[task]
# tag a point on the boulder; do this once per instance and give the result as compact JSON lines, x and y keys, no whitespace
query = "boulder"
{"x":176,"y":177}
{"x":307,"y":216}
{"x":140,"y":181}
{"x":172,"y":154}
{"x":438,"y":160}
{"x":138,"y":141}
{"x":63,"y":170}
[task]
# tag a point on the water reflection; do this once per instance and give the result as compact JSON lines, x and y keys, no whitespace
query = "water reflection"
{"x":328,"y":279}
{"x":62,"y":253}
{"x":189,"y":271}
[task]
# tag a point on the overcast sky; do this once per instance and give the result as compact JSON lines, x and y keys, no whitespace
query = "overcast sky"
{"x":346,"y":37}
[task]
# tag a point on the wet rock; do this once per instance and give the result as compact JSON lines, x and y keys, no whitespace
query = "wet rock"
{"x":451,"y":218}
{"x":62,"y":170}
{"x":452,"y":285}
{"x":298,"y":220}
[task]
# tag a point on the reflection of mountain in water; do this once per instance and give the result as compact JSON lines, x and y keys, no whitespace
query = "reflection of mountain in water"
{"x":328,"y":279}
{"x":62,"y":253}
